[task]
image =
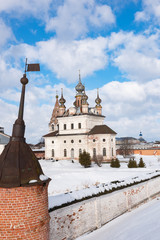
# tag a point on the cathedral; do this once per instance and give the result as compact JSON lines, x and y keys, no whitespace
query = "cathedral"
{"x":79,"y":128}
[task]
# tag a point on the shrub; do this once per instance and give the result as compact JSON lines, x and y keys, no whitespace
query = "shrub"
{"x":132,"y":163}
{"x":141,"y":163}
{"x":115,"y":163}
{"x":85,"y":159}
{"x":98,"y":159}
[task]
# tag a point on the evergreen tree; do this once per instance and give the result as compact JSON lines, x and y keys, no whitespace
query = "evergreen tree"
{"x":132,"y":163}
{"x":141,"y":163}
{"x":85,"y":159}
{"x":115,"y":163}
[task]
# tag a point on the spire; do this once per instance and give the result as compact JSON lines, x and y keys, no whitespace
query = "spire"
{"x":18,"y":164}
{"x":80,"y":87}
{"x":62,"y":100}
{"x":98,"y":100}
{"x":55,"y":112}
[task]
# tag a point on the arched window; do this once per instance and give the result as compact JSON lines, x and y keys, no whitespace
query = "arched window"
{"x":79,"y":125}
{"x":52,"y":127}
{"x":104,"y":152}
{"x":52,"y":152}
{"x":80,"y":151}
{"x":94,"y":151}
{"x":65,"y":152}
{"x":72,"y":153}
{"x":72,"y":141}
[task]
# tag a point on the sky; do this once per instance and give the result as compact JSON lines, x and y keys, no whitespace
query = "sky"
{"x":114,"y":43}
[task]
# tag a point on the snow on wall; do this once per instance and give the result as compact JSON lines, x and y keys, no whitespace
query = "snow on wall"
{"x":69,"y":222}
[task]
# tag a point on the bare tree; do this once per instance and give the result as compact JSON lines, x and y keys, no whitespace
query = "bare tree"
{"x":98,"y":159}
{"x":126,"y":148}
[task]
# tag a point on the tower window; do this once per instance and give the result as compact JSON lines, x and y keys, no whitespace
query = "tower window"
{"x":72,"y":141}
{"x":52,"y":152}
{"x":104,"y":139}
{"x":79,"y":140}
{"x":65,"y":152}
{"x":94,"y":151}
{"x":58,"y":126}
{"x":79,"y":125}
{"x":53,"y":127}
{"x":104,"y":151}
{"x":64,"y":141}
{"x":64,"y":126}
{"x":80,"y":151}
{"x":52,"y":141}
{"x":94,"y":140}
{"x":72,"y":126}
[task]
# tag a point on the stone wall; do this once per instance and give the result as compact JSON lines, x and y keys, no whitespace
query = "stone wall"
{"x":70,"y":222}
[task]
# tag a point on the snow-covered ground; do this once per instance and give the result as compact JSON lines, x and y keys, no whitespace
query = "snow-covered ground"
{"x":67,"y":176}
{"x":139,"y":224}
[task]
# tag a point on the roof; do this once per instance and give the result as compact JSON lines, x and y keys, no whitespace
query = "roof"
{"x":4,"y":134}
{"x":52,"y":134}
{"x":101,"y":129}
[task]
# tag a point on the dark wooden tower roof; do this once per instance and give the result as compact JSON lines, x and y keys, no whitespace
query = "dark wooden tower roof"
{"x":18,"y":164}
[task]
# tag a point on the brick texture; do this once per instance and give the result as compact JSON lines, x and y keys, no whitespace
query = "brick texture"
{"x":24,"y":213}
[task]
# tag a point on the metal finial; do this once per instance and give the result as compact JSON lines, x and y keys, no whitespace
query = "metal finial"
{"x":79,"y":76}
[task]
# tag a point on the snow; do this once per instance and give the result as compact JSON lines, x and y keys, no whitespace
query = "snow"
{"x":32,"y":181}
{"x":67,"y":176}
{"x":71,"y":181}
{"x":43,"y":177}
{"x":139,"y":224}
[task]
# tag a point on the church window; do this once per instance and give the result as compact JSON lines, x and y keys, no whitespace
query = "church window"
{"x":80,"y":151}
{"x":104,"y":139}
{"x":65,"y":152}
{"x":79,"y":125}
{"x":104,"y":151}
{"x":52,"y":141}
{"x":64,"y":126}
{"x":94,"y":151}
{"x":64,"y":141}
{"x":94,"y":140}
{"x":72,"y":126}
{"x":72,"y":141}
{"x":72,"y":153}
{"x":52,"y":152}
{"x":79,"y":140}
{"x":53,"y":127}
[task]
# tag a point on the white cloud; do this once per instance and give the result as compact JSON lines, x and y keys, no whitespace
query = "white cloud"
{"x":5,"y":33}
{"x":151,"y":11}
{"x":65,"y":58}
{"x":74,"y":18}
{"x":129,"y":107}
{"x":37,"y":8}
{"x":136,"y":56}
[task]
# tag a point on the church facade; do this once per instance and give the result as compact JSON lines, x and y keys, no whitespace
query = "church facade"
{"x":79,"y":128}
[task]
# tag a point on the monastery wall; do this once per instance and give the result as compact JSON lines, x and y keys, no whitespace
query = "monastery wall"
{"x":68,"y":223}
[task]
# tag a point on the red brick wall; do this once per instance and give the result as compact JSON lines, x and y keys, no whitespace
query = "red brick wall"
{"x":24,"y":213}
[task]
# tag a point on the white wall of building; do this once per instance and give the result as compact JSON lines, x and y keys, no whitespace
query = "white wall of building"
{"x":70,"y":222}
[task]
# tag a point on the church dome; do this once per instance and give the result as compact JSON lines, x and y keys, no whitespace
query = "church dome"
{"x":80,"y":87}
{"x":98,"y":100}
{"x":62,"y":100}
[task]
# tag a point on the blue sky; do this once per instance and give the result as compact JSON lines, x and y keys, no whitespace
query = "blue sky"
{"x":115,"y":44}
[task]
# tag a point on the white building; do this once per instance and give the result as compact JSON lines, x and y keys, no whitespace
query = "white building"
{"x":4,"y":139}
{"x":79,"y":128}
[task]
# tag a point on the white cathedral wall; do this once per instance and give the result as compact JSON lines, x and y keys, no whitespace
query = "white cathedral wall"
{"x":87,"y":143}
{"x":87,"y":123}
